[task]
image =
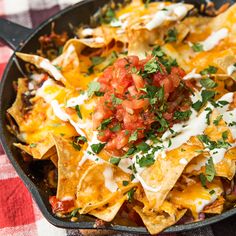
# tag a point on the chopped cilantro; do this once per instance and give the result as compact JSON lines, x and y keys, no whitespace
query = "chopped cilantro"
{"x":33,"y":145}
{"x":108,"y":17}
{"x":115,"y":128}
{"x":93,"y":87}
{"x":222,"y":103}
{"x":114,"y":160}
{"x":97,"y":60}
{"x":133,"y":136}
{"x":206,"y":96}
{"x":197,"y":47}
{"x":97,"y":148}
{"x":125,"y":182}
{"x":152,"y":66}
{"x":217,"y":120}
{"x":209,"y":70}
{"x":203,"y":180}
{"x":233,"y":123}
{"x":131,"y":151}
{"x":182,"y":115}
{"x":212,"y":192}
{"x":76,"y":146}
{"x":115,"y":100}
{"x":208,"y":83}
{"x":77,"y":108}
{"x":105,"y":123}
{"x":208,"y":114}
{"x":146,"y":161}
{"x":171,"y":35}
{"x":74,"y":212}
{"x":130,"y":194}
{"x":81,"y":138}
{"x":210,"y":170}
{"x":99,"y":94}
{"x":144,"y":147}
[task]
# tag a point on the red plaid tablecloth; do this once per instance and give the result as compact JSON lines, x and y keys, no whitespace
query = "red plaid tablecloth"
{"x":19,"y":215}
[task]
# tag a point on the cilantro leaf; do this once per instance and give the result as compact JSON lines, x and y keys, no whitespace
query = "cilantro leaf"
{"x":146,"y":161}
{"x":97,"y":60}
{"x":182,"y":115}
{"x":217,"y":120}
{"x":115,"y":100}
{"x":171,"y":35}
{"x":133,"y":136}
{"x":207,"y":95}
{"x":152,"y":66}
{"x":203,"y":180}
{"x":105,"y":123}
{"x":97,"y":148}
{"x":130,"y":194}
{"x":93,"y":87}
{"x":77,"y":108}
{"x":115,"y":128}
{"x":109,"y":16}
{"x":210,"y":170}
{"x":125,"y":182}
{"x":115,"y":160}
{"x":144,"y":147}
{"x":197,"y":47}
{"x":209,"y":70}
{"x":208,"y":83}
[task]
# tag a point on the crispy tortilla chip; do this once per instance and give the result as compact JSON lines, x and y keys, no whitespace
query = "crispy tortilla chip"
{"x":69,"y":173}
{"x":216,"y":207}
{"x":38,"y":150}
{"x":108,"y":211}
{"x":164,"y":173}
{"x":43,"y":64}
{"x":157,"y":221}
{"x":108,"y":187}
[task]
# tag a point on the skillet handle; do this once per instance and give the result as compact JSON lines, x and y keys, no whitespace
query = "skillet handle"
{"x":12,"y":34}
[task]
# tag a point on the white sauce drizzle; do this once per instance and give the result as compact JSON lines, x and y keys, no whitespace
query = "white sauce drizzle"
{"x":229,"y":117}
{"x":45,"y":64}
{"x":192,"y":75}
{"x":214,"y":39}
{"x":87,"y":32}
{"x":183,"y":161}
{"x":110,"y":184}
{"x":173,"y":12}
{"x":124,"y":165}
{"x":72,"y":102}
{"x":231,"y":69}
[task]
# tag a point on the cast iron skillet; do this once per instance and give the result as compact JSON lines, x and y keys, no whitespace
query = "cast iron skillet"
{"x":26,"y":40}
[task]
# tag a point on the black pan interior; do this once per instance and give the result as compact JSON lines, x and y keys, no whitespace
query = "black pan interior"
{"x":32,"y":172}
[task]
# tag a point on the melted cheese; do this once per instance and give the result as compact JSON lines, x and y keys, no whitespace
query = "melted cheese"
{"x":110,"y":184}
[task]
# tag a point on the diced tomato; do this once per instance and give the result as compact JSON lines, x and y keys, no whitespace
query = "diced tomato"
{"x":60,"y":206}
{"x":138,"y":81}
{"x":125,"y":101}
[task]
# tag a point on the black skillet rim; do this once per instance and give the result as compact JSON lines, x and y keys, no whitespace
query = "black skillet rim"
{"x":33,"y":189}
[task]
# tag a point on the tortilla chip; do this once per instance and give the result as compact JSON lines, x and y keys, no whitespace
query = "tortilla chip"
{"x":39,"y":150}
{"x":69,"y":173}
{"x":158,"y":221}
{"x":108,"y":211}
{"x":165,"y":172}
{"x":216,"y":207}
{"x":42,"y":63}
{"x":106,"y":190}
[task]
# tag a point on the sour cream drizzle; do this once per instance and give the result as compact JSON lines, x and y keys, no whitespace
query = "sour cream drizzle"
{"x":231,"y":69}
{"x":173,"y":12}
{"x":110,"y":184}
{"x":214,"y":39}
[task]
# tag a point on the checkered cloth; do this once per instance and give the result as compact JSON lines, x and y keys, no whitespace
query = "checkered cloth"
{"x":19,"y":215}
